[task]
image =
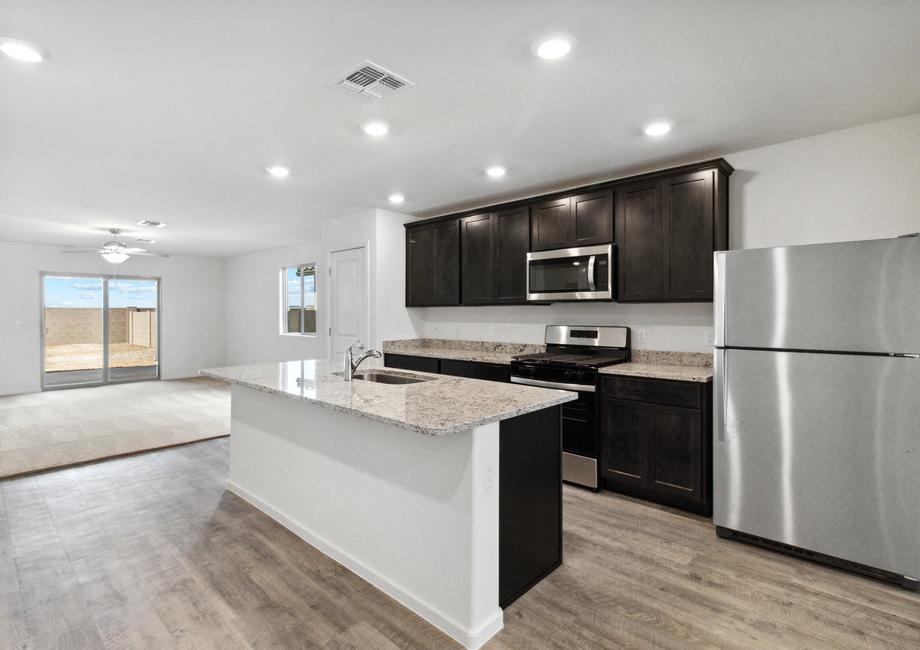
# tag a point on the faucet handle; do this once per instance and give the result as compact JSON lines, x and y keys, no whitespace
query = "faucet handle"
{"x":356,"y":346}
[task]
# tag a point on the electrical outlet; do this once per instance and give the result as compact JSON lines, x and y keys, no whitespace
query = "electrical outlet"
{"x":709,"y":338}
{"x":641,"y":336}
{"x":490,"y":476}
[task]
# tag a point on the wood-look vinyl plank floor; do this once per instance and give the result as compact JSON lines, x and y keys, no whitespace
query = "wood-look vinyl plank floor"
{"x":151,"y":551}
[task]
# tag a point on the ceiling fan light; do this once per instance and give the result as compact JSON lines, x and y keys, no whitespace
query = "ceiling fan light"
{"x":114,"y":256}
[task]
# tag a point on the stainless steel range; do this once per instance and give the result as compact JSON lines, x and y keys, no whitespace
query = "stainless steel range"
{"x":571,"y":361}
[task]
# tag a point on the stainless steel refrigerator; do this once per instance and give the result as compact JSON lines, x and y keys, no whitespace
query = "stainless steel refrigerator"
{"x":817,"y":403}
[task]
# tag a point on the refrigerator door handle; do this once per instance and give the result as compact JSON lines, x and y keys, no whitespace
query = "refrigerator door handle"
{"x":719,"y":394}
{"x":718,"y":283}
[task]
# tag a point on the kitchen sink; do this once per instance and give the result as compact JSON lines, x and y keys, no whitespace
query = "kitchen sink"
{"x":382,"y":377}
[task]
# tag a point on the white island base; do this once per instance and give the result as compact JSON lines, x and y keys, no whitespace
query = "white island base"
{"x":415,"y":515}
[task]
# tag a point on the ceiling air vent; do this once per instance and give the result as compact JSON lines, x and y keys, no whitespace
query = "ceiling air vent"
{"x":370,"y":81}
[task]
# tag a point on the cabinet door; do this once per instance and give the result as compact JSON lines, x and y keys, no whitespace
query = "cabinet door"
{"x":639,"y":245}
{"x":623,"y":448}
{"x":687,"y":207}
{"x":410,"y":362}
{"x":593,"y":218}
{"x":420,"y":262}
{"x":447,"y":263}
{"x":512,"y":243}
{"x":674,"y":439}
{"x":476,"y":370}
{"x":476,"y":246}
{"x":551,"y":224}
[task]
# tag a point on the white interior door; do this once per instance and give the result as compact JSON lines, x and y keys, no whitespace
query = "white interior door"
{"x":348,"y":307}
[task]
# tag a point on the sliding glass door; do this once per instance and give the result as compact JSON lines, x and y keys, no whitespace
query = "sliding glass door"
{"x":133,"y":345}
{"x":99,"y":329}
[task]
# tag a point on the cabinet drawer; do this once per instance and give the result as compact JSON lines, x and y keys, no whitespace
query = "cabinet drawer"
{"x":476,"y":370}
{"x":409,"y":362}
{"x":654,"y":391}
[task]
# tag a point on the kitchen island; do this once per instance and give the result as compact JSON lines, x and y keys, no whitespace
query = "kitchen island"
{"x":445,"y":493}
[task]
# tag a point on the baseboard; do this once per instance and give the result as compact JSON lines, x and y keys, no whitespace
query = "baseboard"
{"x":469,"y":638}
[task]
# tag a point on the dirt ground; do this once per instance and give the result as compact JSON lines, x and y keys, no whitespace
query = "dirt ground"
{"x":88,"y":356}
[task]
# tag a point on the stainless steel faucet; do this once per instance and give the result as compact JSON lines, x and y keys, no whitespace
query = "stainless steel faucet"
{"x":351,"y":364}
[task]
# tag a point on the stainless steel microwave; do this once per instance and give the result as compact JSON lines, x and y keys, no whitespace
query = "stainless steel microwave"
{"x":584,"y":273}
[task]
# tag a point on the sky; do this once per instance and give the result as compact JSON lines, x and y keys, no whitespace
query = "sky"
{"x":87,"y":292}
{"x":293,"y":288}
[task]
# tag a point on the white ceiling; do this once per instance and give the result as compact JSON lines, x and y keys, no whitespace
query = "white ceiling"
{"x":171,"y":110}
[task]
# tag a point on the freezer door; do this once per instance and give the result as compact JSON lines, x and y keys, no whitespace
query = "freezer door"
{"x":822,"y":452}
{"x":849,"y":297}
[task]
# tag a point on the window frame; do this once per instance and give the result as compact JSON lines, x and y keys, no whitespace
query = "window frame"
{"x":285,"y":307}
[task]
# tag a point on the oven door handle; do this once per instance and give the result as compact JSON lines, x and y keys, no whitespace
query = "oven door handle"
{"x":591,"y":285}
{"x":581,"y":388}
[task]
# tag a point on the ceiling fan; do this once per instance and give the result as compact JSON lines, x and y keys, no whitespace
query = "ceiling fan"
{"x":115,"y":251}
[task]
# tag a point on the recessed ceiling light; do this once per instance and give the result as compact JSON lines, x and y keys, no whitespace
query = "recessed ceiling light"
{"x":21,"y":50}
{"x":657,"y":128}
{"x":152,"y":224}
{"x":397,"y":198}
{"x":496,"y":171}
{"x":278,"y":171}
{"x":553,"y":47}
{"x":376,"y":129}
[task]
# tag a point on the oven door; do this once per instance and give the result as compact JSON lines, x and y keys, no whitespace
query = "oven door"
{"x":571,"y":274}
{"x":580,"y":439}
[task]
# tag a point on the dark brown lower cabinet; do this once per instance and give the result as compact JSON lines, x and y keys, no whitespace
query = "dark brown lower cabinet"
{"x":410,"y":362}
{"x":656,"y":441}
{"x":456,"y":367}
{"x":530,"y":501}
{"x":476,"y":370}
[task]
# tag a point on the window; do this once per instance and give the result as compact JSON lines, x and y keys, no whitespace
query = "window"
{"x":299,"y":288}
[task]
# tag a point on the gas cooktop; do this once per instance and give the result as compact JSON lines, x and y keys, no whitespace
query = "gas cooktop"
{"x":573,"y":358}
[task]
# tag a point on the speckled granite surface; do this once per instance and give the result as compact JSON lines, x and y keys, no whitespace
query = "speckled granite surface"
{"x":483,"y":351}
{"x":662,"y":358}
{"x":444,"y":406}
{"x":655,"y":364}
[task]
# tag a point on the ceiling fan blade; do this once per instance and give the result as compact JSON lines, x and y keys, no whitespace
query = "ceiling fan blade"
{"x":84,"y":251}
{"x":133,"y":251}
{"x":149,"y":254}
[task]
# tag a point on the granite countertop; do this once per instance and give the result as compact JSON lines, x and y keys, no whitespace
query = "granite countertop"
{"x":655,"y":364}
{"x":481,"y":351}
{"x":443,"y":406}
{"x":677,"y":366}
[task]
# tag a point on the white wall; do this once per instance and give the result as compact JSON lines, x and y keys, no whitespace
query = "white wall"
{"x":253,"y":289}
{"x":192,"y":303}
{"x":859,"y":183}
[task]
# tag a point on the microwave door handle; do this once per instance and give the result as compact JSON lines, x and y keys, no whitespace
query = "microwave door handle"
{"x":591,"y":286}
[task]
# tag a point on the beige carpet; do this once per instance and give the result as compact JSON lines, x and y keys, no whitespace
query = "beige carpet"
{"x":64,"y":427}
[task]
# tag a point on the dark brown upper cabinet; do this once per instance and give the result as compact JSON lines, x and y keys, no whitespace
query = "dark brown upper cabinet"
{"x":688,"y":241}
{"x":579,"y":220}
{"x":667,"y":229}
{"x":639,"y":255}
{"x":512,"y":243}
{"x":477,"y":245}
{"x":493,"y":265}
{"x":433,"y":264}
{"x":667,"y":224}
